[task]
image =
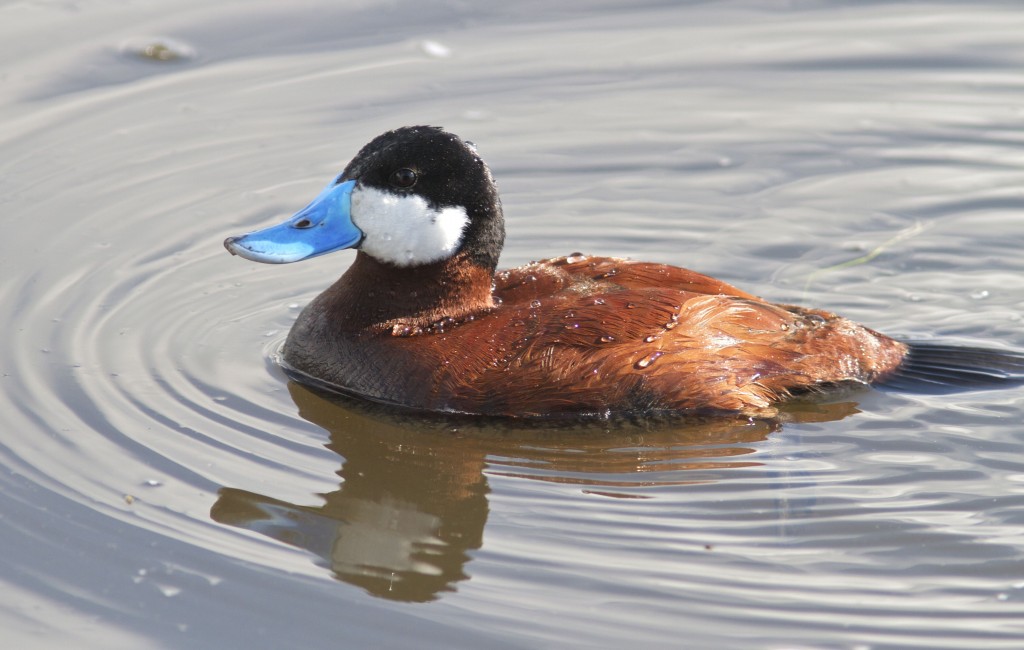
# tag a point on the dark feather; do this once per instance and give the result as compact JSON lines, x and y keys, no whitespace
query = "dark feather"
{"x":941,"y":368}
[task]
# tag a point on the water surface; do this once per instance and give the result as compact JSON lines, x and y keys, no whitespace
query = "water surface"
{"x":163,"y":485}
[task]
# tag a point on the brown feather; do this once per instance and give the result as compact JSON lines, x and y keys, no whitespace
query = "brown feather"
{"x":573,"y":334}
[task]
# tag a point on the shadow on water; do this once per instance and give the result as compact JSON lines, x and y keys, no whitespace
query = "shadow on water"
{"x":412,"y":503}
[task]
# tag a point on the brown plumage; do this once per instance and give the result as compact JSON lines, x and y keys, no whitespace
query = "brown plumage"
{"x":574,"y":335}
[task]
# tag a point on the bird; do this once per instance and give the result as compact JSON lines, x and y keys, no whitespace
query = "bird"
{"x":423,"y":319}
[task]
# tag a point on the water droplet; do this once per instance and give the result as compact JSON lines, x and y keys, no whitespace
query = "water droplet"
{"x":535,"y":304}
{"x":981,"y":294}
{"x":599,"y":301}
{"x":784,"y":327}
{"x":152,"y":482}
{"x":814,"y":320}
{"x":651,"y":339}
{"x":648,"y":360}
{"x":607,"y":338}
{"x":607,"y":274}
{"x":573,"y":258}
{"x":669,"y":325}
{"x":630,"y":305}
{"x":572,"y":326}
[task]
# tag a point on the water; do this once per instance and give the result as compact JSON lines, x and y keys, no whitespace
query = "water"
{"x":162,"y":485}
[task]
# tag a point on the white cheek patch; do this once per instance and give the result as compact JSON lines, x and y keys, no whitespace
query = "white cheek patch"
{"x":405,"y":230}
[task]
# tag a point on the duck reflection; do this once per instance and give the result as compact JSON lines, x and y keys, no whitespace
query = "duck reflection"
{"x":412,"y":503}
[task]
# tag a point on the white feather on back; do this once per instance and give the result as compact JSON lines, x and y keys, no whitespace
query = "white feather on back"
{"x":405,"y":230}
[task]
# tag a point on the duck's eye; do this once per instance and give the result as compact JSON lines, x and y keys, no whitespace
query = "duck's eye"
{"x":403,"y":178}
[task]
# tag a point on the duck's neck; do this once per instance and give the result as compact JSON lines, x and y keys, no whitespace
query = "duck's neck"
{"x":376,"y":296}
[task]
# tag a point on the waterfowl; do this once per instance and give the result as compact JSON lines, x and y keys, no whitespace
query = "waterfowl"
{"x":422,"y":319}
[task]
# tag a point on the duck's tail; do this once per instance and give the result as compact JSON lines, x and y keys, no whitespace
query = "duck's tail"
{"x":941,"y":367}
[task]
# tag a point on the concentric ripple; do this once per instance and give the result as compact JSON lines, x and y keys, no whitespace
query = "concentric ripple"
{"x":163,"y":483}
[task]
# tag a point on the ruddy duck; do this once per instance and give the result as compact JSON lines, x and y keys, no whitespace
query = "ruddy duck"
{"x":422,"y":320}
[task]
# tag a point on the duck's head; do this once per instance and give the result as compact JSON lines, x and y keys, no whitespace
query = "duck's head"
{"x":413,"y":196}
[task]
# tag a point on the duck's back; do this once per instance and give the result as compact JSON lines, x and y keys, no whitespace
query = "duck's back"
{"x":631,"y":336}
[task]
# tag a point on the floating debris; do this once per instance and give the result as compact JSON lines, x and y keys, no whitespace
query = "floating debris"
{"x":158,"y":49}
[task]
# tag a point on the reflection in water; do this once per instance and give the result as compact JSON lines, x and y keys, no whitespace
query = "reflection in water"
{"x":413,"y":497}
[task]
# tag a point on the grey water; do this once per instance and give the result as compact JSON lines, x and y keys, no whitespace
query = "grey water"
{"x":163,"y":485}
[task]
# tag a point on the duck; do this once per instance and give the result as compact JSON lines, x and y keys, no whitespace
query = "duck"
{"x":424,"y":320}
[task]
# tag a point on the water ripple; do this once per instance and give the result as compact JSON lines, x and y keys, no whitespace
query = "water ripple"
{"x":162,"y":477}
